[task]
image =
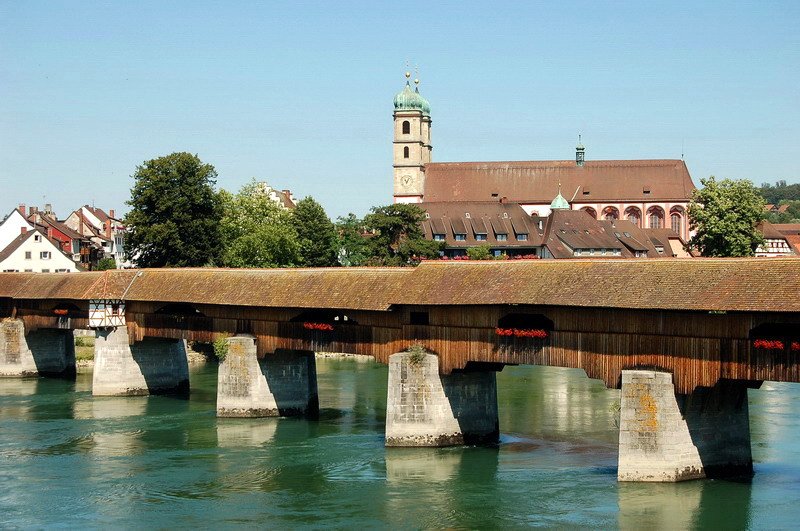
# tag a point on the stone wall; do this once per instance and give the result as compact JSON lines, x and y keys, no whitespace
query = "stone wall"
{"x":152,"y":366}
{"x":426,"y":409}
{"x":281,"y":384}
{"x":664,"y":437}
{"x":47,"y":352}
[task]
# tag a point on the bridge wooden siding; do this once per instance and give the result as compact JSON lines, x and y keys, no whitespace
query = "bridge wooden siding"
{"x":699,"y":345}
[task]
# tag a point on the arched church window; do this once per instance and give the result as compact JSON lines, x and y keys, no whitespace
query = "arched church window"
{"x":610,"y":213}
{"x":589,"y":210}
{"x":676,"y":222}
{"x":405,"y":152}
{"x":655,"y":218}
{"x":406,"y":127}
{"x":634,"y":215}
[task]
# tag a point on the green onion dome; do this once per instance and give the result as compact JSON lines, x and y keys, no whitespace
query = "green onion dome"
{"x":411,"y":100}
{"x":559,"y":203}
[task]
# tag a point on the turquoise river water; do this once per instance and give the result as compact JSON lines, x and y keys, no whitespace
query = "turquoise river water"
{"x":74,"y":461}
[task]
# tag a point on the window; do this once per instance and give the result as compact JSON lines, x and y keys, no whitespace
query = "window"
{"x":62,"y":270}
{"x":45,"y":270}
{"x":406,"y":128}
{"x":45,"y":255}
{"x":461,"y":237}
{"x":27,"y":255}
{"x":655,"y":217}
{"x":502,"y":237}
{"x":37,"y":238}
{"x":10,"y":270}
{"x":676,"y":222}
{"x":522,"y":237}
{"x":438,"y":237}
{"x":480,"y":237}
{"x":405,"y":152}
{"x":419,"y":318}
{"x":29,"y":270}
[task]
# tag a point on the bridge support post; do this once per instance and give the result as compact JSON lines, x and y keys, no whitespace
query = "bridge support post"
{"x":152,"y":366}
{"x":282,"y":384}
{"x":671,"y":437}
{"x":45,"y":352}
{"x":424,"y":408}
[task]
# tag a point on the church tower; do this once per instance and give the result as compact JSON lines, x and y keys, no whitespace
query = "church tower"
{"x":412,"y":143}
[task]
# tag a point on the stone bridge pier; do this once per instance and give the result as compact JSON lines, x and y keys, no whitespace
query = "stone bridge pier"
{"x":43,"y":352}
{"x":671,"y":437}
{"x":151,"y":366}
{"x":281,"y":384}
{"x":424,"y":408}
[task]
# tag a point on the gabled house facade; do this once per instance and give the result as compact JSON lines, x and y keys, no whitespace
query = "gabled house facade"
{"x":32,"y":251}
{"x":12,"y":226}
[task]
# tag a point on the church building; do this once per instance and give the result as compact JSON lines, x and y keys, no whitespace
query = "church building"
{"x":648,"y":193}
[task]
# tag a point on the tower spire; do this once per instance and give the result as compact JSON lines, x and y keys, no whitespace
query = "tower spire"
{"x":579,"y":152}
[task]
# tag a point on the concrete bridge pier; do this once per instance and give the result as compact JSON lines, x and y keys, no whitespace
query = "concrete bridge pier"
{"x":671,"y":437}
{"x":424,"y":408}
{"x":44,"y":352}
{"x":152,"y":366}
{"x":281,"y":384}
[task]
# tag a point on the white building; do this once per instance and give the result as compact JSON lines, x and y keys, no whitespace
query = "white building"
{"x":11,"y":227}
{"x":33,"y":252}
{"x":104,"y":230}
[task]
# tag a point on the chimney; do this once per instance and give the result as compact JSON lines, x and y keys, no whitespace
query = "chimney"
{"x":111,"y":214}
{"x":48,"y":208}
{"x":108,"y":228}
{"x":32,"y":210}
{"x":23,"y":230}
{"x":21,"y":209}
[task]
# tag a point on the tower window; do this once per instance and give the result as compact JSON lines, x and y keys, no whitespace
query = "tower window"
{"x":406,"y":127}
{"x":405,"y":152}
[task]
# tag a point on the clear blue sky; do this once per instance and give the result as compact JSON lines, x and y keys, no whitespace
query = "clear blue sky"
{"x":300,"y":94}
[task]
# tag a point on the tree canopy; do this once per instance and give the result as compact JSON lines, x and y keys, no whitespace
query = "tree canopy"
{"x":724,"y":215}
{"x":780,"y":191}
{"x":175,"y":213}
{"x":352,"y":245}
{"x":316,"y":234}
{"x":397,"y":237}
{"x":256,"y":232}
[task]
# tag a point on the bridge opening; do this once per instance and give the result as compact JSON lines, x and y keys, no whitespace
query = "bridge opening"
{"x":179,"y":308}
{"x":330,"y":317}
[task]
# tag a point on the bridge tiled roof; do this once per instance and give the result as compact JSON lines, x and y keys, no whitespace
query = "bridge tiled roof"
{"x":761,"y":285}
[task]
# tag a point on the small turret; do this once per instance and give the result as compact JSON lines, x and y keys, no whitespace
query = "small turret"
{"x":579,"y":152}
{"x":559,"y":203}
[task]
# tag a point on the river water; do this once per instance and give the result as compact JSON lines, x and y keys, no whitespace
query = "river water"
{"x":70,"y":460}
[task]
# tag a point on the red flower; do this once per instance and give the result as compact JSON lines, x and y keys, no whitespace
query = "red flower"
{"x":323,"y":327}
{"x":795,"y":345}
{"x":768,"y":344}
{"x":521,"y":332}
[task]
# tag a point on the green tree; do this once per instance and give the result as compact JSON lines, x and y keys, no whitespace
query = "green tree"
{"x":353,"y":246}
{"x":175,"y":213}
{"x":106,"y":263}
{"x":256,"y":232}
{"x":724,"y":215}
{"x":397,"y":235}
{"x":316,"y":233}
{"x":780,"y":191}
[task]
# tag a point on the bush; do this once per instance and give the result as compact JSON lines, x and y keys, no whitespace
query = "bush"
{"x":106,"y":263}
{"x":221,"y":348}
{"x":417,"y":354}
{"x":481,"y":252}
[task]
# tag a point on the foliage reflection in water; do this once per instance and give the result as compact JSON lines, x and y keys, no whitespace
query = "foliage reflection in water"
{"x":69,"y":459}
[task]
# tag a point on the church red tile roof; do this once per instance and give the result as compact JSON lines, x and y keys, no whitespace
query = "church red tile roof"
{"x":537,"y":181}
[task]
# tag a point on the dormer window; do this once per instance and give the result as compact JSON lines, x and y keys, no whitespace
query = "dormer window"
{"x":646,"y":190}
{"x":460,"y":237}
{"x":585,"y":191}
{"x":480,"y":237}
{"x":505,"y":215}
{"x":502,"y":237}
{"x":438,"y":237}
{"x":522,"y":237}
{"x":466,"y":215}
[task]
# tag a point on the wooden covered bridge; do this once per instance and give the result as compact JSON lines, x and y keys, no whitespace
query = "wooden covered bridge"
{"x":684,"y":339}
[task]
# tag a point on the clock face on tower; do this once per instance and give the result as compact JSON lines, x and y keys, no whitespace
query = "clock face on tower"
{"x":405,"y":181}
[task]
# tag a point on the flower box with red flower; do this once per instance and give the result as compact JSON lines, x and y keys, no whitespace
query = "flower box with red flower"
{"x":769,"y":344}
{"x":321,"y":327}
{"x":534,"y":333}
